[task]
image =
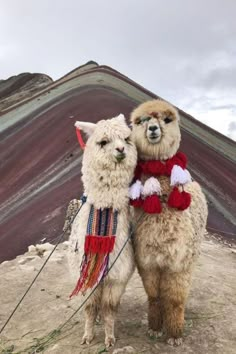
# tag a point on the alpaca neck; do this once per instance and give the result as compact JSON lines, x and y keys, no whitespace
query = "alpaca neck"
{"x":107,"y":189}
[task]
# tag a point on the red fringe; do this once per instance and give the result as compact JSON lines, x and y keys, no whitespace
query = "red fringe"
{"x":91,"y":272}
{"x":82,"y":278}
{"x":94,"y":264}
{"x":99,"y":244}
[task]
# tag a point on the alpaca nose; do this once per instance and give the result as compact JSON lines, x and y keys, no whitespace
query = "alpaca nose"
{"x":120,"y":149}
{"x":153,"y":128}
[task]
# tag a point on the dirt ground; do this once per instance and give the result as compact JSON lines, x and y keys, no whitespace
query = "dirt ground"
{"x":210,"y":325}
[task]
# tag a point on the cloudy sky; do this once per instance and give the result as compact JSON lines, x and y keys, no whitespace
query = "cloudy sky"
{"x":182,"y":50}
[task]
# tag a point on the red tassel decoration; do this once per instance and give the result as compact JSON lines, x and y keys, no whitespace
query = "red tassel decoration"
{"x":186,"y":200}
{"x":179,"y":200}
{"x":136,"y":203}
{"x":99,"y":244}
{"x":152,"y":204}
{"x":175,"y":198}
{"x":82,"y":279}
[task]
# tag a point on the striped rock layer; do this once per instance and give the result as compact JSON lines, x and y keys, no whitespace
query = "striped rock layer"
{"x":40,"y":157}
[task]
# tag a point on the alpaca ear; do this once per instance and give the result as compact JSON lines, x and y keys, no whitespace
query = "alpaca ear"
{"x":121,"y":118}
{"x":87,"y":127}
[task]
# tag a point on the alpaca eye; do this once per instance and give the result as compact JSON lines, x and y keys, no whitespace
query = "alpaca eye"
{"x":145,"y":119}
{"x":167,"y":120}
{"x":103,"y":143}
{"x":127,"y":140}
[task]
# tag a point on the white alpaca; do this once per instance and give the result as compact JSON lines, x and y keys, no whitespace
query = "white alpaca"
{"x":107,"y":170}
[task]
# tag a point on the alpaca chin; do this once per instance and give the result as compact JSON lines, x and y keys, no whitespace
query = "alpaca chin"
{"x":162,"y":150}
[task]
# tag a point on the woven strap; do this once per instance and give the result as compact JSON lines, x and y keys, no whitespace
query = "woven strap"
{"x":102,"y":222}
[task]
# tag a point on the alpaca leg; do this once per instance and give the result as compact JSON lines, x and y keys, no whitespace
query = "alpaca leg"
{"x":112,"y":293}
{"x":151,"y":283}
{"x":91,"y":312}
{"x":174,"y":289}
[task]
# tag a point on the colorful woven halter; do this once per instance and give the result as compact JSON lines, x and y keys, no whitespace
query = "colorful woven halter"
{"x":99,"y":242}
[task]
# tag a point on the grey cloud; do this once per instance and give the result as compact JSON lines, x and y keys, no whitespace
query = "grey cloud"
{"x":232,"y":130}
{"x":232,"y":126}
{"x":181,"y":50}
{"x":231,"y":107}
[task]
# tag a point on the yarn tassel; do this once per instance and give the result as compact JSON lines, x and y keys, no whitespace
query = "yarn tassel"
{"x":179,"y":200}
{"x":186,"y":200}
{"x":83,"y":275}
{"x":99,"y":244}
{"x":152,"y":204}
{"x":136,"y":203}
{"x":151,"y":186}
{"x":175,"y":198}
{"x":179,"y":176}
{"x":94,"y":275}
{"x":135,"y":190}
{"x":95,"y":262}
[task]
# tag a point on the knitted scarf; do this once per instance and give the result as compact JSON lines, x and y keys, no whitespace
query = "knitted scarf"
{"x":99,"y":243}
{"x":147,"y":196}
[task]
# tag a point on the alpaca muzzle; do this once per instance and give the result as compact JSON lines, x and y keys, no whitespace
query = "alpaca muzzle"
{"x":153,"y":133}
{"x":120,"y":156}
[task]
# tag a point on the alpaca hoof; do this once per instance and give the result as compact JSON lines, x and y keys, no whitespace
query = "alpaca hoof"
{"x":110,"y":342}
{"x":174,"y":341}
{"x":154,"y":334}
{"x":87,"y":339}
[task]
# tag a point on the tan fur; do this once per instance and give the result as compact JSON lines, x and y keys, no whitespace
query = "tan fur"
{"x":168,"y":146}
{"x":167,"y":244}
{"x":106,"y":181}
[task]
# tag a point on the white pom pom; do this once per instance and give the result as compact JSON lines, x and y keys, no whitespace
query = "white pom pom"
{"x":135,"y":190}
{"x":179,"y":176}
{"x":151,"y":186}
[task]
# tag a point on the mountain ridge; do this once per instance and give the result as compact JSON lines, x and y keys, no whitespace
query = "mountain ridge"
{"x":41,"y":159}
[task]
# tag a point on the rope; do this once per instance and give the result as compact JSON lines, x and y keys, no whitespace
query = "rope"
{"x":33,"y":281}
{"x":57,"y":331}
{"x":111,"y":266}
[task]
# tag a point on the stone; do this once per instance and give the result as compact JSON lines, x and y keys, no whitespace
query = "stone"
{"x":26,"y":260}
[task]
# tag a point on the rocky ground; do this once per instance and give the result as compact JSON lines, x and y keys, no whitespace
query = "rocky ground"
{"x":210,"y":325}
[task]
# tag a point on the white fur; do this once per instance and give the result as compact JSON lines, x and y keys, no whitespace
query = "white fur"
{"x":106,"y":175}
{"x":179,"y":176}
{"x":151,"y":186}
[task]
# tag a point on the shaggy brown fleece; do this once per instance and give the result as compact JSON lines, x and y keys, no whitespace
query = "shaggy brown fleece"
{"x":166,"y":244}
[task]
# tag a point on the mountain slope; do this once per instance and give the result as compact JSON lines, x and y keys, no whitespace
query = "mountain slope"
{"x":41,"y":159}
{"x":20,"y":87}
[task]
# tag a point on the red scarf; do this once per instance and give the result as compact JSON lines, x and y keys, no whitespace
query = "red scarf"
{"x":159,"y":168}
{"x":151,"y":204}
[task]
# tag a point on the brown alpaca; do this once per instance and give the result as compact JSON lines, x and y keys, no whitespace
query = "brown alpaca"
{"x":167,"y":242}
